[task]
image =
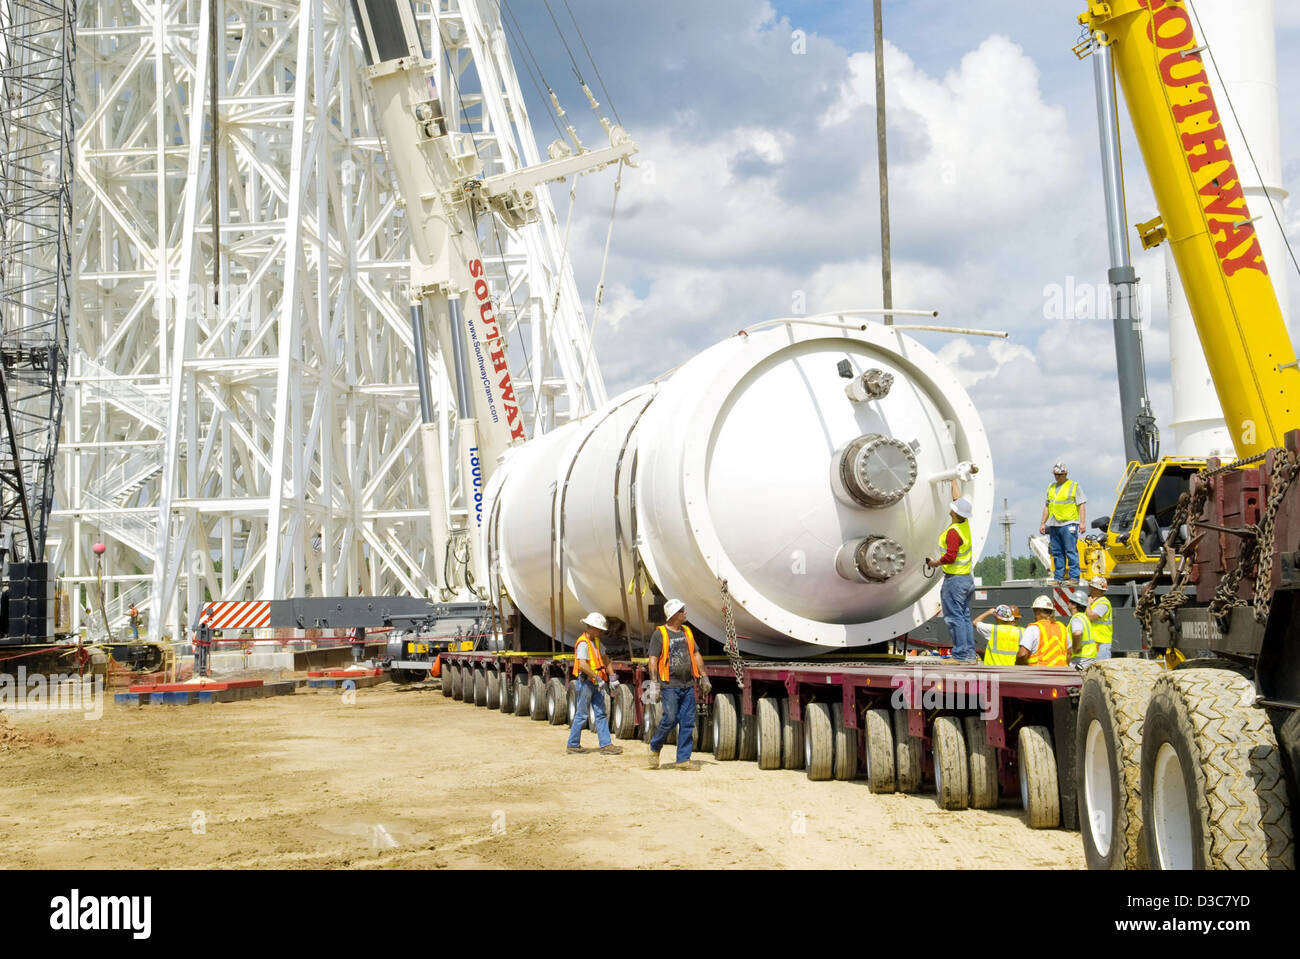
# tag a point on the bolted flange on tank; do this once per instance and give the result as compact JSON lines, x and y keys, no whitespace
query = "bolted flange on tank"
{"x":754,"y":463}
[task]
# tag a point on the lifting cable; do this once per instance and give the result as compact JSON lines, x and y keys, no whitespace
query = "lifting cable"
{"x":600,"y":284}
{"x":516,"y":32}
{"x":577,"y":72}
{"x":599,"y":79}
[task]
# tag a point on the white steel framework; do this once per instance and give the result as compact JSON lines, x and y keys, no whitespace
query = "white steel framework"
{"x":243,"y":414}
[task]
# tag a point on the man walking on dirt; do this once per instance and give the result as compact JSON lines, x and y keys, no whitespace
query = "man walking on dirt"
{"x":591,"y":679}
{"x":675,"y":667}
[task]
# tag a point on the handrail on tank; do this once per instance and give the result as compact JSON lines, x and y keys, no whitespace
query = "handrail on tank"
{"x":821,"y":319}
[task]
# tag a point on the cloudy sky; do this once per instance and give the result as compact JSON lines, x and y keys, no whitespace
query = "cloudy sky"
{"x":759,"y":182}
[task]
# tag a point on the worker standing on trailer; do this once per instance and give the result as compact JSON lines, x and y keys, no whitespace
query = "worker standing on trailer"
{"x":1045,"y":641}
{"x":1102,"y":616}
{"x":1064,"y":514}
{"x":1083,"y":644}
{"x":1003,"y":637}
{"x":133,"y":615}
{"x":958,"y":584}
{"x":591,"y":677}
{"x":675,"y":667}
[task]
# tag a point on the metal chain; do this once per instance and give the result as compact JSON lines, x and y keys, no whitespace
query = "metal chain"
{"x":729,"y":627}
{"x":1286,"y":465}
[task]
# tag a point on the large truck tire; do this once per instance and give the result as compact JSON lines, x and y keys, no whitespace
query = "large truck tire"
{"x":845,"y":745}
{"x":725,"y":727}
{"x":792,"y":733}
{"x":506,"y":688}
{"x":1039,"y":791}
{"x":983,"y":765}
{"x":591,"y":710}
{"x":951,"y":764}
{"x":907,"y":754}
{"x":818,"y":742}
{"x":703,"y":742}
{"x":767,"y":713}
{"x":537,"y":697}
{"x":1108,"y":761}
{"x":650,"y":721}
{"x":880,"y":750}
{"x":492,"y":699}
{"x":1216,"y":794}
{"x":446,"y":681}
{"x":480,"y":687}
{"x":747,"y":737}
{"x":557,"y":702}
{"x":457,"y":683}
{"x":523,"y":700}
{"x":622,"y":719}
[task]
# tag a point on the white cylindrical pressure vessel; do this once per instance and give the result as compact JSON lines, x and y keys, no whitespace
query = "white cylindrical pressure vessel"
{"x":800,"y":463}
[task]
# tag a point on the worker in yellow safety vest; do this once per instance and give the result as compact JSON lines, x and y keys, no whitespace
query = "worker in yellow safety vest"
{"x":675,"y":667}
{"x":1083,"y":645}
{"x":1003,"y":647}
{"x":1044,"y":640}
{"x":1064,"y":514}
{"x":1102,"y":616}
{"x":592,"y":677}
{"x":956,"y":551}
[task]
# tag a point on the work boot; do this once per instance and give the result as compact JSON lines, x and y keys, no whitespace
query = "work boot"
{"x":654,"y":759}
{"x":690,"y":765}
{"x":611,"y":750}
{"x":576,"y":749}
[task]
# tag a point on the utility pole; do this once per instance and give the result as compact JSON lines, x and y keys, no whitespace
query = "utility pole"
{"x":1008,"y":566}
{"x":882,"y":161}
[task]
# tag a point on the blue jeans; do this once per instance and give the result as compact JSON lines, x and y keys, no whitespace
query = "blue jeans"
{"x":679,"y":711}
{"x":1065,"y":550}
{"x":588,"y":698}
{"x":954,"y":596}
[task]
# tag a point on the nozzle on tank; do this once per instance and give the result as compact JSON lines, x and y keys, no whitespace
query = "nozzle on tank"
{"x":873,"y":471}
{"x":872,"y":559}
{"x":871,"y":385}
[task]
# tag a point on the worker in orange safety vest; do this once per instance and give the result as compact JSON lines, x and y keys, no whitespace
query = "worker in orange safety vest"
{"x":675,"y":667}
{"x":592,"y":677}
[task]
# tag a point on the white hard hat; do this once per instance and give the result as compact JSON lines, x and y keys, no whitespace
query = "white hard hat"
{"x":1004,"y":613}
{"x":962,"y":507}
{"x":1080,"y":597}
{"x":1042,"y":602}
{"x":1098,"y":582}
{"x":1059,"y":468}
{"x":596,"y":621}
{"x":673,"y":607}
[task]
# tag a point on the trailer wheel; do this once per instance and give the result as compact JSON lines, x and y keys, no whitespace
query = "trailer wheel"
{"x":880,"y":751}
{"x":571,"y":702}
{"x":492,"y":692}
{"x":792,"y":755}
{"x":703,"y":735}
{"x":522,"y":699}
{"x":747,"y":741}
{"x":623,"y":713}
{"x":446,"y":680}
{"x":1039,"y":793}
{"x":650,"y":721}
{"x":818,"y":742}
{"x":983,"y":765}
{"x":480,"y":687}
{"x":453,"y":677}
{"x":844,"y":745}
{"x":557,"y":702}
{"x":591,"y":710}
{"x":907,"y":754}
{"x":506,"y":686}
{"x":767,"y":713}
{"x":537,"y":699}
{"x":1108,"y":761}
{"x":951,"y":763}
{"x":1212,"y":775}
{"x":724,"y":727}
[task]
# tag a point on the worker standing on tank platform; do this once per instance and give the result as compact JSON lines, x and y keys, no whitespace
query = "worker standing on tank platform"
{"x":1044,"y":641}
{"x":958,"y":584}
{"x":1003,"y":647}
{"x":675,"y":667}
{"x":1064,"y":514}
{"x":1083,"y":644}
{"x":591,"y":677}
{"x":1102,"y":616}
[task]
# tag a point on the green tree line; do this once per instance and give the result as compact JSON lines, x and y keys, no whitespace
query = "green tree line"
{"x":991,"y":571}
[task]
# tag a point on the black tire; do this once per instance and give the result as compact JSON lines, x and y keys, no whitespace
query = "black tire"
{"x":571,"y":702}
{"x":492,"y":699}
{"x":537,"y":698}
{"x":506,"y":699}
{"x":1039,"y":790}
{"x":1108,"y":761}
{"x":880,"y":750}
{"x":480,"y":687}
{"x":725,"y":727}
{"x":457,"y":686}
{"x":557,"y":702}
{"x":591,"y":710}
{"x":703,"y":735}
{"x":522,"y":698}
{"x":1215,"y":795}
{"x":951,"y":763}
{"x":983,"y":765}
{"x":622,"y":716}
{"x":444,"y":679}
{"x":767,"y":715}
{"x":907,"y":754}
{"x":792,"y":732}
{"x":747,"y":745}
{"x":650,"y":720}
{"x":845,"y":745}
{"x":819,"y":742}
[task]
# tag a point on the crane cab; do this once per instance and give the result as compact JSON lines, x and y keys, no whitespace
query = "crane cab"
{"x":1141,"y":524}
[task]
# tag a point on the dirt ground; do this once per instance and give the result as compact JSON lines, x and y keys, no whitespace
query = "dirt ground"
{"x":406,"y":778}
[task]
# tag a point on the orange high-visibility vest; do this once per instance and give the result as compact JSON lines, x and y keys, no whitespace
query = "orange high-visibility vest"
{"x":1051,"y":649}
{"x":663,"y":652}
{"x":597,"y":661}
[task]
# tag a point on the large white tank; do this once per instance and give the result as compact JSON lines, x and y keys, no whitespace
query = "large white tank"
{"x":750,"y":462}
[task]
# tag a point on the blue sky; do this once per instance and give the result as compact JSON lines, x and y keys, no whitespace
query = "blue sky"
{"x":758,"y":181}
